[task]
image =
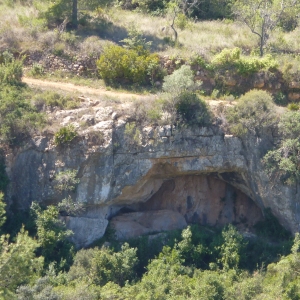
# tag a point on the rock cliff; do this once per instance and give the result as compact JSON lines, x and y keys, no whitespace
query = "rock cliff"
{"x":159,"y":178}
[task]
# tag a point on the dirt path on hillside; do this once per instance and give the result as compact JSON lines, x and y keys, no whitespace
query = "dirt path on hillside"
{"x":87,"y":91}
{"x":84,"y":90}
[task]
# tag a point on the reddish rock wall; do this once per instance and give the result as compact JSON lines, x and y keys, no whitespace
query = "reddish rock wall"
{"x":197,"y":199}
{"x":206,"y":200}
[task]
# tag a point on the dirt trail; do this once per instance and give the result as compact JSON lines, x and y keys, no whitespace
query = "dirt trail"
{"x":84,"y":90}
{"x":87,"y":91}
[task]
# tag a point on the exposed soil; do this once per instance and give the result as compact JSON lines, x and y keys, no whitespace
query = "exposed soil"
{"x":84,"y":90}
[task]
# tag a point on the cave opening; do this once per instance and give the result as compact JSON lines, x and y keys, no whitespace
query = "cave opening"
{"x":203,"y":199}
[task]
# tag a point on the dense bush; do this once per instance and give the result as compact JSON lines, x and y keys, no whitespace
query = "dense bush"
{"x":180,"y":100}
{"x":11,"y":70}
{"x":66,"y":180}
{"x":100,"y":266}
{"x":18,"y":117}
{"x":52,"y":99}
{"x":231,"y":58}
{"x":202,"y":263}
{"x":192,"y":110}
{"x":65,"y":135}
{"x":180,"y":81}
{"x":52,"y":236}
{"x":148,"y":6}
{"x":3,"y":175}
{"x":121,"y":65}
{"x":254,"y":113}
{"x":283,"y":162}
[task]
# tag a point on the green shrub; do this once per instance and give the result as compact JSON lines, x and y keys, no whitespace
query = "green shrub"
{"x":120,"y":65}
{"x":18,"y":118}
{"x":293,"y":106}
{"x":289,"y":125}
{"x":149,"y":6}
{"x":103,"y":265}
{"x":192,"y":110}
{"x":231,"y":58}
{"x":66,"y":180}
{"x":135,"y":41}
{"x":175,"y":86}
{"x":65,"y":135}
{"x":68,"y":207}
{"x":280,"y":99}
{"x":53,"y":99}
{"x":199,"y":61}
{"x":283,"y":162}
{"x":11,"y":70}
{"x":179,"y":81}
{"x":37,"y":70}
{"x":254,"y":113}
{"x":132,"y":132}
{"x":59,"y":48}
{"x":52,"y":237}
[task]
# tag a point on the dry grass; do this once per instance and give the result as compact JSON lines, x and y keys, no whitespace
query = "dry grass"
{"x":207,"y":37}
{"x":20,"y":30}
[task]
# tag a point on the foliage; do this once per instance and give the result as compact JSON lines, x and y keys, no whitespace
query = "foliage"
{"x":192,"y":110}
{"x":18,"y":117}
{"x":70,"y":208}
{"x":65,"y":135}
{"x":133,"y":133}
{"x":121,"y":65}
{"x":11,"y":71}
{"x":3,"y":175}
{"x":293,"y":106}
{"x":282,"y":162}
{"x":18,"y":263}
{"x":280,"y":99}
{"x":66,"y":180}
{"x":2,"y":210}
{"x":150,"y":6}
{"x":179,"y":97}
{"x":262,"y":17}
{"x":254,"y":113}
{"x":42,"y":289}
{"x":52,"y":236}
{"x":179,"y":81}
{"x":231,"y":248}
{"x":52,"y":99}
{"x":100,"y":266}
{"x":36,"y":70}
{"x":231,"y":58}
{"x":135,"y":41}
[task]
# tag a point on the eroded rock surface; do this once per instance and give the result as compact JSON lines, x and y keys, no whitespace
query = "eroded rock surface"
{"x":130,"y":225}
{"x":206,"y":200}
{"x":118,"y":168}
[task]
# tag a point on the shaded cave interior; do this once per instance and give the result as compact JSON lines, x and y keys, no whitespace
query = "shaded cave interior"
{"x":203,"y":199}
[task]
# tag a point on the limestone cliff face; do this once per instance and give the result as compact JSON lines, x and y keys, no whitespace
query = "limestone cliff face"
{"x":183,"y":175}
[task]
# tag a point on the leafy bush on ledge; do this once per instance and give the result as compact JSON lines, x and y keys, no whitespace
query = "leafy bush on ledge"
{"x":283,"y":162}
{"x":232,"y":58}
{"x":65,"y":135}
{"x":254,"y":113}
{"x":121,"y":65}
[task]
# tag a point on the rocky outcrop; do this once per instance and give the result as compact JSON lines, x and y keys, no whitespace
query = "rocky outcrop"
{"x":198,"y":175}
{"x":130,"y":225}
